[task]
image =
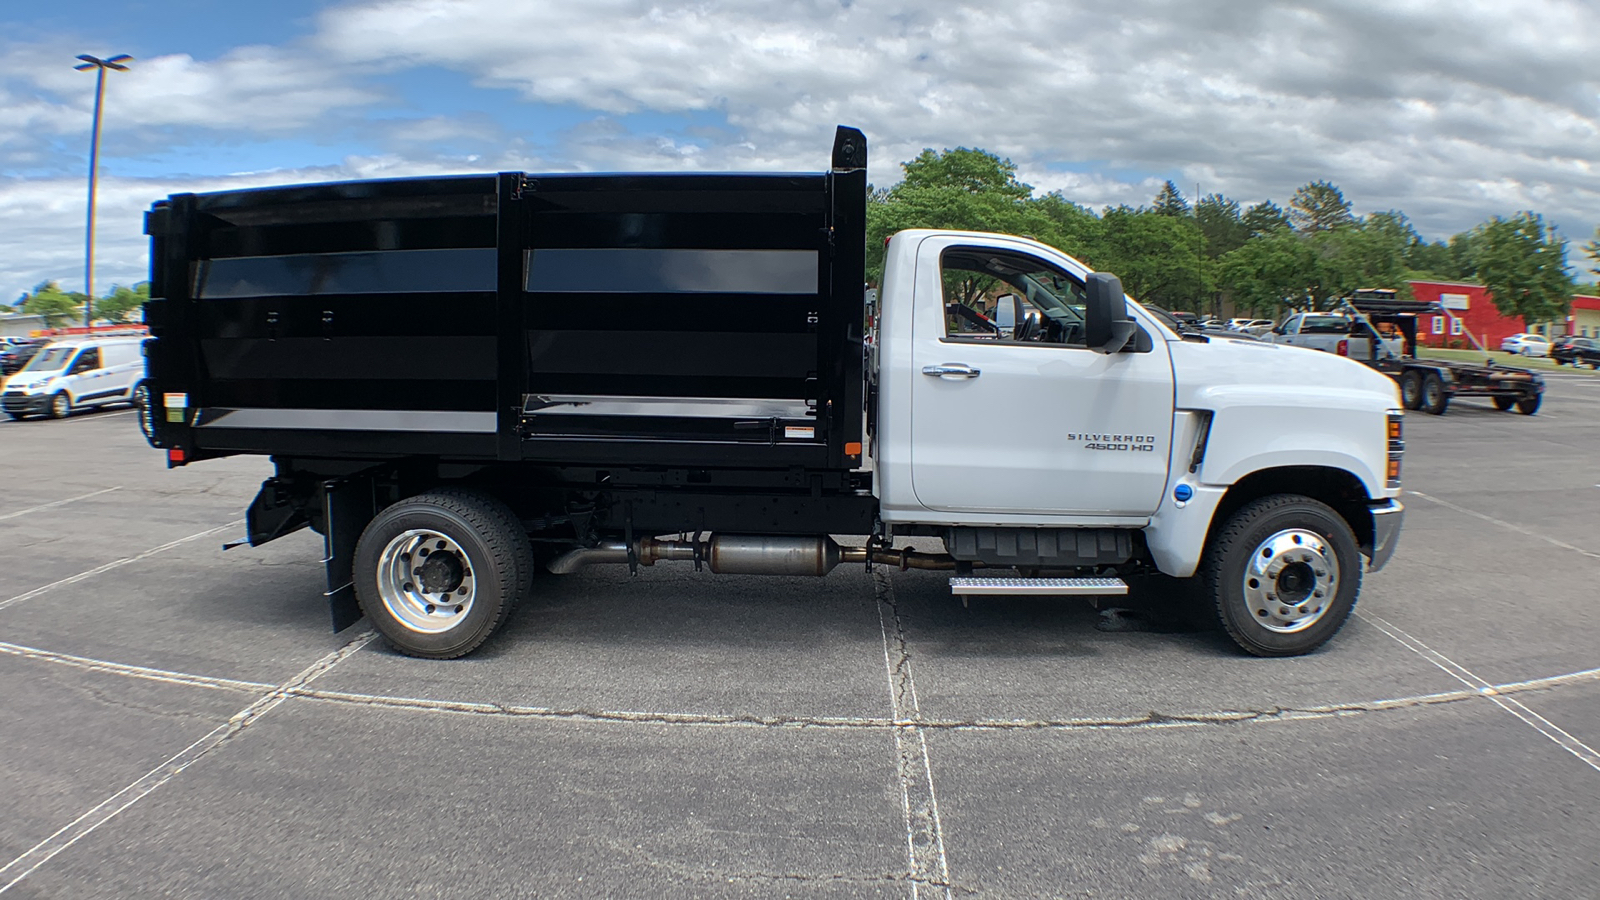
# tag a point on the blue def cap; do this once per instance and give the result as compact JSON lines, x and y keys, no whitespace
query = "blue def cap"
{"x":1182,"y":493}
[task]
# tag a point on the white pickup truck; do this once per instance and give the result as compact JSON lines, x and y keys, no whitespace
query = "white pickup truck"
{"x":582,"y":369}
{"x":1332,"y":333}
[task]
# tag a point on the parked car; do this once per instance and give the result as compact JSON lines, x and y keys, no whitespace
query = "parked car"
{"x":1526,"y":344}
{"x":1256,"y":327}
{"x":15,"y":353}
{"x":75,"y":374}
{"x":1576,"y":351}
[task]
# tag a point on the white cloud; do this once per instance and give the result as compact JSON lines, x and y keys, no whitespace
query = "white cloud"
{"x":1451,"y":112}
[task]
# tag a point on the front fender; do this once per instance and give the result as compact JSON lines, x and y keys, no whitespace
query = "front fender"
{"x":1245,"y":440}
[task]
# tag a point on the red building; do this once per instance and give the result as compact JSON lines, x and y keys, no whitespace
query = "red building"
{"x":1474,"y":312}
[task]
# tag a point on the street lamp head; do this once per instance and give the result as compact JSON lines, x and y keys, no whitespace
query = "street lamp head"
{"x":115,"y":62}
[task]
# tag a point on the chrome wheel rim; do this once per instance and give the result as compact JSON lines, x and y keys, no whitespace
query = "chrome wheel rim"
{"x":426,"y":581}
{"x":61,"y":406}
{"x":1291,"y":580}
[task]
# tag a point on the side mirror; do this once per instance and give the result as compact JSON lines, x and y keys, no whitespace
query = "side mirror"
{"x":1008,"y":314}
{"x":1106,"y":323}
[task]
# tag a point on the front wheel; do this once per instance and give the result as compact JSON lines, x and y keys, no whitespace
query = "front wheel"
{"x":439,"y":572}
{"x":1282,"y":575}
{"x":1531,"y":405}
{"x":60,"y":406}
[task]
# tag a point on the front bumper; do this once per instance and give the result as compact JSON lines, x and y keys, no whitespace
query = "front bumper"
{"x":17,"y":403}
{"x":1386,"y":518}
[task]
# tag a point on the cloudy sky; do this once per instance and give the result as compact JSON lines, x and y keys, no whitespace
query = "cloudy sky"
{"x":1450,"y":111}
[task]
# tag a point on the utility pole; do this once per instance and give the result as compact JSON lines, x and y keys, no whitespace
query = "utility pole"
{"x":100,"y":66}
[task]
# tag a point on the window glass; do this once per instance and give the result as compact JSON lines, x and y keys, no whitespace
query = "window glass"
{"x":992,"y":295}
{"x":1325,"y":325}
{"x":50,"y":359}
{"x":87,"y":361}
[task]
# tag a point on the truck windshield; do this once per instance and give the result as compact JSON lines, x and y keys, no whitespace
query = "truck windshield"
{"x":50,"y":359}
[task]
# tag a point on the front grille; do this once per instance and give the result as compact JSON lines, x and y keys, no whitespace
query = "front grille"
{"x":14,"y":401}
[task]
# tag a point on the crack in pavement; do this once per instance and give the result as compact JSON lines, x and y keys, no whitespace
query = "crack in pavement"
{"x":1151,"y":719}
{"x":929,"y":866}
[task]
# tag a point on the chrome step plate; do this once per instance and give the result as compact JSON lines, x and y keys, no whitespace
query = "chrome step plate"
{"x":1055,"y":587}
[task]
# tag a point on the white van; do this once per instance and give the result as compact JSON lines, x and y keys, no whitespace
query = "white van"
{"x":76,"y":374}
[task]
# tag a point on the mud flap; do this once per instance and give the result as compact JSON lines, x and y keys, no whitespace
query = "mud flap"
{"x":348,"y":505}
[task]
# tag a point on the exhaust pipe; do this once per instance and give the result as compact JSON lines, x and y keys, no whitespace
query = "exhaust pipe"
{"x":747,"y":554}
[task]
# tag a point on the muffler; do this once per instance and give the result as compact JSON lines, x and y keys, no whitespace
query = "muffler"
{"x":749,"y":554}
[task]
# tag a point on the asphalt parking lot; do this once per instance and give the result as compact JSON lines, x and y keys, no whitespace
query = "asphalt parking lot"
{"x":176,"y":720}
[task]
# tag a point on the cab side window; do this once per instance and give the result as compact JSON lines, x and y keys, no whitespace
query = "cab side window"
{"x":87,"y":361}
{"x":998,"y":296}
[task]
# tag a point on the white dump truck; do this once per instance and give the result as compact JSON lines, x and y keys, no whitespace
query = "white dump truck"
{"x":459,"y":379}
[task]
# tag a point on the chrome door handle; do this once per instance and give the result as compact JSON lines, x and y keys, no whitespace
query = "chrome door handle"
{"x":961,"y":370}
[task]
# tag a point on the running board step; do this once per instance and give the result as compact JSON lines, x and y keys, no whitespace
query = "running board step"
{"x":1054,"y":587}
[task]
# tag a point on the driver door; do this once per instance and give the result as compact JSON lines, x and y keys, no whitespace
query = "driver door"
{"x":1031,"y":421}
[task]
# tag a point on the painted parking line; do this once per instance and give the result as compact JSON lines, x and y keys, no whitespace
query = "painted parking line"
{"x":1555,"y":733}
{"x":116,"y":564}
{"x":1504,"y":524}
{"x":13,"y":872}
{"x":44,"y":506}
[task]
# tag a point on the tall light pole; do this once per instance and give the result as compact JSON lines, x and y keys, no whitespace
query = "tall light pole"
{"x":100,"y":66}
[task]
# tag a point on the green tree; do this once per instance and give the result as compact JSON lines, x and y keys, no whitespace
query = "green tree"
{"x":1592,"y":250}
{"x":1269,"y":272}
{"x":1221,"y":224}
{"x":1076,"y":229}
{"x":1319,"y":206}
{"x":1264,"y":218}
{"x":121,"y":302}
{"x":56,"y":306}
{"x":962,"y":189}
{"x":1523,"y":264}
{"x":1170,"y":201}
{"x":1158,"y":257}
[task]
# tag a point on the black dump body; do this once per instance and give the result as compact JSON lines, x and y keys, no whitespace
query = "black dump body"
{"x":695,"y":320}
{"x":1505,"y":384}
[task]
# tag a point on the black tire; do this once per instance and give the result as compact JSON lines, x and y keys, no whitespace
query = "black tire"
{"x":1411,"y":389}
{"x":140,"y":398}
{"x":60,"y":406}
{"x":1435,"y":399}
{"x":1504,"y":403}
{"x":1233,"y":548}
{"x":498,"y":559}
{"x":1531,"y":405}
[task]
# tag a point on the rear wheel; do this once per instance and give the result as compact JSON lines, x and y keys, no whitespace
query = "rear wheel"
{"x":1531,"y":405}
{"x":1434,"y":398}
{"x":1411,"y":389}
{"x":60,"y":406}
{"x":439,"y":572}
{"x":1282,"y":575}
{"x":1504,"y":403}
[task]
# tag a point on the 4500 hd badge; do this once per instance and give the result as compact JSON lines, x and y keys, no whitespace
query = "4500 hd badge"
{"x":1132,"y":442}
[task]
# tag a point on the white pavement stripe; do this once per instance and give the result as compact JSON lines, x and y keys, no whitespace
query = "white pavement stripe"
{"x":929,"y":866}
{"x":81,"y":827}
{"x":91,"y":664}
{"x":114,"y":564}
{"x":1504,"y":524}
{"x":1510,"y":704}
{"x":44,"y":506}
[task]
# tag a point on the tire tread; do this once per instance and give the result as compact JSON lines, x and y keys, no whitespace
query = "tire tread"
{"x":1222,"y":546}
{"x":511,"y":557}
